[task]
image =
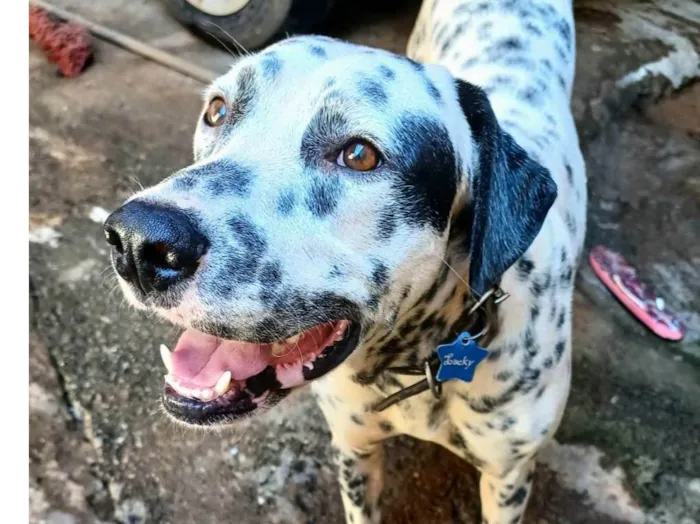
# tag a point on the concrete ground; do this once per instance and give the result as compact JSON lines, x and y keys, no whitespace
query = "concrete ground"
{"x":100,"y":451}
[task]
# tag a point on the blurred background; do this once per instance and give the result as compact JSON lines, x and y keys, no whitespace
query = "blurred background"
{"x":100,"y":450}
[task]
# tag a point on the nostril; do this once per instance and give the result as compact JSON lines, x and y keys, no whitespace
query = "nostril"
{"x":159,"y":255}
{"x":113,"y":239}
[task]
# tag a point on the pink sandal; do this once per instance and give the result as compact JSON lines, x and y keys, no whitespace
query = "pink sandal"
{"x":620,"y":278}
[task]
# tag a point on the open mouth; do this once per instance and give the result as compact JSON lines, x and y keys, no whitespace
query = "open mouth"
{"x":212,"y":380}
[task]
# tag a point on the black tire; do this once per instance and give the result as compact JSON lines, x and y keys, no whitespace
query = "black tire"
{"x":252,"y":27}
{"x":305,"y":16}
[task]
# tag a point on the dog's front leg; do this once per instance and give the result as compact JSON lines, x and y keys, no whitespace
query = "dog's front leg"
{"x":360,"y":472}
{"x":504,"y":498}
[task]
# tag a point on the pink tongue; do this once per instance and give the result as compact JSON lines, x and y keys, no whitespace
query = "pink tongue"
{"x":200,"y":359}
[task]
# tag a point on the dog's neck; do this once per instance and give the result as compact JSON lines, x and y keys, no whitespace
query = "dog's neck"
{"x":433,"y":317}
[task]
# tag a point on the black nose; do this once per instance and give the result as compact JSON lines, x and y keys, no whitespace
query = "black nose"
{"x":154,"y":246}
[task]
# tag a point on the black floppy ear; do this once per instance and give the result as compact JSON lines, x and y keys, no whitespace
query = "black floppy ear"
{"x":511,"y":193}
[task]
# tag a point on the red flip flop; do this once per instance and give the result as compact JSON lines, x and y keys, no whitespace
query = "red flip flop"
{"x":621,"y":278}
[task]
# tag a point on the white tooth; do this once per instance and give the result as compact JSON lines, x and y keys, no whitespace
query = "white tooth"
{"x":166,"y":356}
{"x":206,"y":394}
{"x":309,"y":365}
{"x":223,"y":384}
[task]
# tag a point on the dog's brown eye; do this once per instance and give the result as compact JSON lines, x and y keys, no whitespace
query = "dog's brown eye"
{"x":359,"y":155}
{"x":215,"y":115}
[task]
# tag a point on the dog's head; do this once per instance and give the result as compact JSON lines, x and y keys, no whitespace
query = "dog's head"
{"x":328,"y":181}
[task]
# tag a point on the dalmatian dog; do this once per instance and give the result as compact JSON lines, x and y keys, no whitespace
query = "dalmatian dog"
{"x":345,"y":210}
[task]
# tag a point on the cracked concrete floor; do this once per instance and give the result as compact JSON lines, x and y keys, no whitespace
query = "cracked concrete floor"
{"x":101,"y":452}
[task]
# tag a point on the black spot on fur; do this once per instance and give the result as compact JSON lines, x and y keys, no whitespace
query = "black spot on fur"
{"x":387,"y":72}
{"x":286,"y":202}
{"x":531,"y":95}
{"x":494,"y":354}
{"x":425,"y":156}
{"x":380,"y":275}
{"x":567,"y":275}
{"x":373,"y":91}
{"x":484,"y":30}
{"x":525,"y":267}
{"x":226,"y":178}
{"x":471,"y":62}
{"x":433,"y":91}
{"x":386,"y":426}
{"x":504,"y":376}
{"x":186,"y":180}
{"x":529,"y":342}
{"x":323,"y":195}
{"x":561,"y":319}
{"x":271,"y":65}
{"x":327,"y":127}
{"x":534,"y":313}
{"x":329,"y":83}
{"x":559,"y":350}
{"x":562,"y":82}
{"x":386,"y":224}
{"x":318,"y":51}
{"x":505,"y":45}
{"x":532,"y":29}
{"x":569,"y":173}
{"x":357,"y":420}
{"x":437,"y":413}
{"x":246,"y":92}
{"x":548,"y":362}
{"x":271,"y":274}
{"x":242,"y":260}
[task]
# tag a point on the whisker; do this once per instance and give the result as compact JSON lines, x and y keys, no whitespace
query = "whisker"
{"x":235,"y":42}
{"x":223,"y":44}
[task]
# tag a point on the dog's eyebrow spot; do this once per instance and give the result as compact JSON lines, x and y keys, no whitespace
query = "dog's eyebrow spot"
{"x":246,"y":92}
{"x":318,"y":51}
{"x":286,"y":202}
{"x":271,"y":65}
{"x":373,"y":90}
{"x":224,"y":178}
{"x":326,"y":126}
{"x":323,"y":195}
{"x":330,"y":82}
{"x":387,"y":72}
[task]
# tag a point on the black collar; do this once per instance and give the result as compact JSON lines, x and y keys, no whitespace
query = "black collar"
{"x":483,"y":320}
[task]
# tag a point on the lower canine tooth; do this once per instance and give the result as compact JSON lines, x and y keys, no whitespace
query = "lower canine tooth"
{"x":167,"y":357}
{"x":309,"y":365}
{"x":223,"y":384}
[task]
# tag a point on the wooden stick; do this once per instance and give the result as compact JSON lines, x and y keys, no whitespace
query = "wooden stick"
{"x":131,"y":44}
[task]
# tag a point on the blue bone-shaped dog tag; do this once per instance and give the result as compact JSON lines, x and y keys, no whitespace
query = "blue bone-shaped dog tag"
{"x":459,"y":359}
